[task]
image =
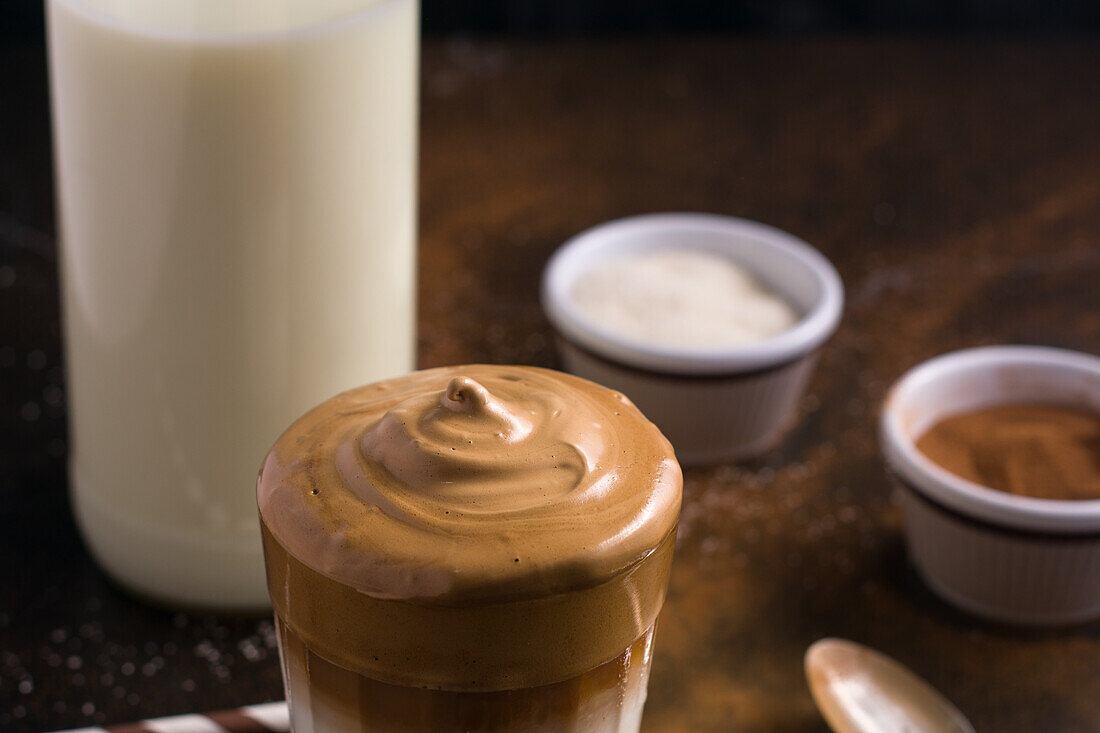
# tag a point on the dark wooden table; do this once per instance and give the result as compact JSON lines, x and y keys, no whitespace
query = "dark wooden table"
{"x":956,"y":185}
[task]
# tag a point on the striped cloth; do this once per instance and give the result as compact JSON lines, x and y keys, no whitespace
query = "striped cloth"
{"x":272,"y":717}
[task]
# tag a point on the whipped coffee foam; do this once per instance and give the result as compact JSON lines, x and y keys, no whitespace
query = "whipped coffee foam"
{"x":471,"y":483}
{"x":476,"y":527}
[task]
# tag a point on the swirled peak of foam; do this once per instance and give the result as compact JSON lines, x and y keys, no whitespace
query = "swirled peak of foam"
{"x":472,"y":484}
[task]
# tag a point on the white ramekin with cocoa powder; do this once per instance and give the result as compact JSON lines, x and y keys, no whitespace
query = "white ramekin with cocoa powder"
{"x":1005,"y":557}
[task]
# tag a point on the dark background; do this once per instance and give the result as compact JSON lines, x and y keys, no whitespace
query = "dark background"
{"x":916,"y":151}
{"x":23,"y":18}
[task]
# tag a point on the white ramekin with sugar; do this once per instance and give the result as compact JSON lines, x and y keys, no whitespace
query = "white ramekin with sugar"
{"x":997,"y":555}
{"x":713,"y":404}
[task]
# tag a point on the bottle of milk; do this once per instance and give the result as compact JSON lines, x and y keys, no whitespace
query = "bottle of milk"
{"x":236,"y":186}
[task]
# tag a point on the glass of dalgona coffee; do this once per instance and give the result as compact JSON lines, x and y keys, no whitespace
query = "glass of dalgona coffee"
{"x":475,"y":548}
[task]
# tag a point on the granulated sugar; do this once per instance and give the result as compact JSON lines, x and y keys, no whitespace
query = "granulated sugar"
{"x":111,"y":673}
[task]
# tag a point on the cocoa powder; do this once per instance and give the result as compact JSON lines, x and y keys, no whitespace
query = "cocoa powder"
{"x":1042,"y":451}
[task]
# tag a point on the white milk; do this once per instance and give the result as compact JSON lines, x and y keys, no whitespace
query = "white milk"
{"x":236,"y":183}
